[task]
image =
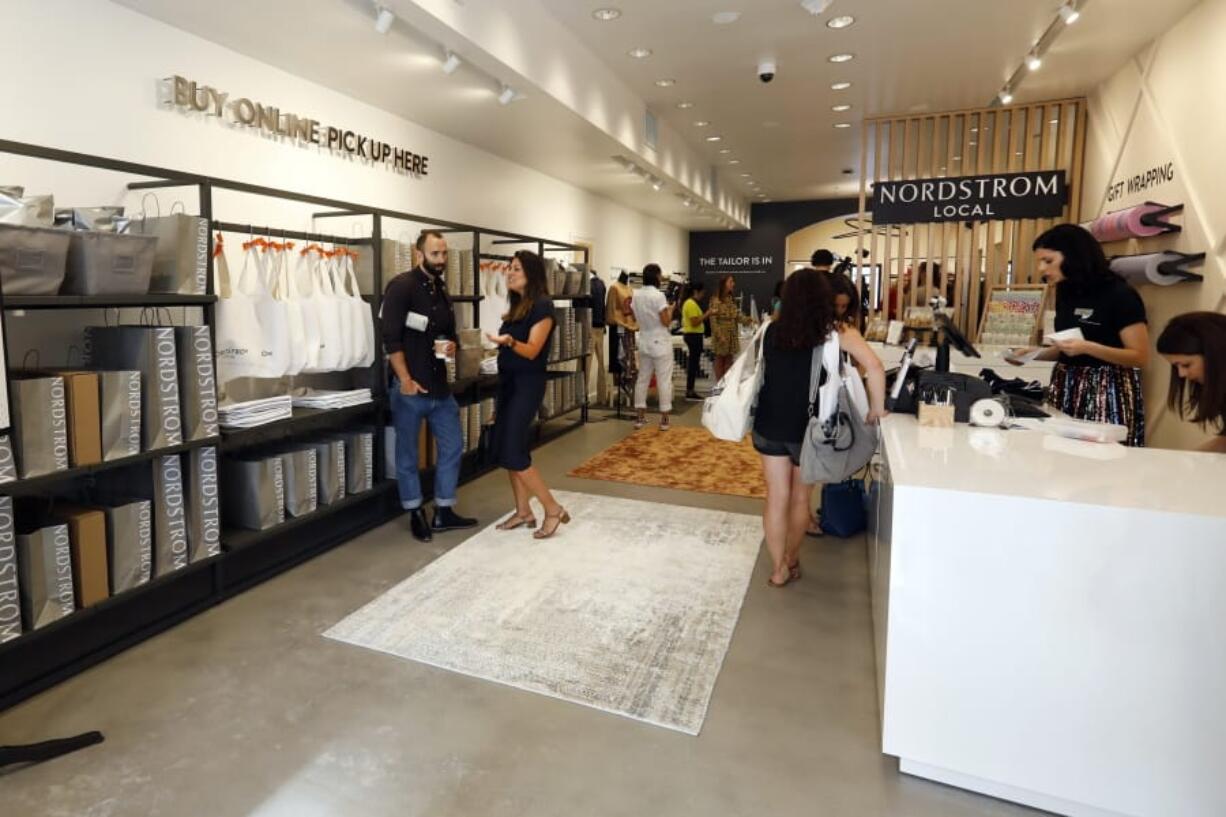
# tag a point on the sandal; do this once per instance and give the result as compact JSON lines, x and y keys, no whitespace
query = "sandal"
{"x":546,"y":531}
{"x":794,"y":573}
{"x":515,"y":521}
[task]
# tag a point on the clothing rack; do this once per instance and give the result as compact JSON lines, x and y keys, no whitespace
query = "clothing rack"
{"x":248,"y":229}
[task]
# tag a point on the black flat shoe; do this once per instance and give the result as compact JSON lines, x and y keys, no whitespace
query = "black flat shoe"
{"x":446,"y":519}
{"x":419,"y":525}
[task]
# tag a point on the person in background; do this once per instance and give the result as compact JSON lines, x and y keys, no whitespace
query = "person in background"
{"x":653,"y":313}
{"x":598,"y":349}
{"x":782,"y":416}
{"x":523,"y":341}
{"x":846,"y":300}
{"x":1195,"y":346}
{"x":1097,"y":377}
{"x":692,"y":329}
{"x":619,"y":319}
{"x":822,"y":260}
{"x":776,"y":300}
{"x":726,"y":320}
{"x":416,"y":313}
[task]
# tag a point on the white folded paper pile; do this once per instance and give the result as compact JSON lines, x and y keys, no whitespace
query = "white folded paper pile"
{"x":253,"y":413}
{"x":489,"y":366}
{"x":321,"y":399}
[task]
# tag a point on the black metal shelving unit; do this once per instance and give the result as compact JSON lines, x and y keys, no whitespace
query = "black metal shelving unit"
{"x":41,"y":658}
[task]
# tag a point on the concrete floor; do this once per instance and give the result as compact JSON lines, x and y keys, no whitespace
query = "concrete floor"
{"x":247,"y":710}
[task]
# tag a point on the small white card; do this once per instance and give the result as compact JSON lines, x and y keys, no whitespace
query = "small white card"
{"x":416,"y":321}
{"x":1064,"y":334}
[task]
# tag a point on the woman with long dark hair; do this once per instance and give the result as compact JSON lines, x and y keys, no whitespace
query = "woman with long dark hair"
{"x":1195,"y":346}
{"x":523,"y":341}
{"x":806,"y":320}
{"x":726,"y":320}
{"x":1098,"y":376}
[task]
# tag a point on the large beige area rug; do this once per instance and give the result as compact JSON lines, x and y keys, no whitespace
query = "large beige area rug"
{"x":629,"y":609}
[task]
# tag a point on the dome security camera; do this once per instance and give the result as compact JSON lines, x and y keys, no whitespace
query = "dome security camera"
{"x":767,"y":70}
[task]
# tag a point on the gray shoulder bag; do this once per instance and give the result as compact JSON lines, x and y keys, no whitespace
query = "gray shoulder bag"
{"x":838,"y":448}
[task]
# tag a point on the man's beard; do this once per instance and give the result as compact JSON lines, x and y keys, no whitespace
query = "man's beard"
{"x":434,"y":269}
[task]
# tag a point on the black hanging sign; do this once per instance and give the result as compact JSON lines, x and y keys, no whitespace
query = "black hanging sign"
{"x":1037,"y":194}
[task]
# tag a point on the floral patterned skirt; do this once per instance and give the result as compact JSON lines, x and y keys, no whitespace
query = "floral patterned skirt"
{"x":1102,"y":394}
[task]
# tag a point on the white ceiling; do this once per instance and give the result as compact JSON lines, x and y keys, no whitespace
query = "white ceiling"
{"x":910,"y":56}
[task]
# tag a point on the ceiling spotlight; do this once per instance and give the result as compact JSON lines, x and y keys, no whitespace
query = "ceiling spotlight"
{"x":687,"y":201}
{"x":701,"y":123}
{"x":1033,"y":61}
{"x":840,"y":108}
{"x":639,"y":53}
{"x":657,"y":185}
{"x":451,"y":63}
{"x":734,"y":161}
{"x":840,"y":86}
{"x":685,"y":105}
{"x":746,"y":175}
{"x":816,"y":7}
{"x":384,"y":18}
{"x":606,"y":15}
{"x":723,"y":18}
{"x":841,"y":125}
{"x":1069,"y":13}
{"x":714,"y":138}
{"x":840,"y":22}
{"x":841,"y":57}
{"x":507,"y":96}
{"x":725,"y":150}
{"x":1006,"y":96}
{"x":666,"y":83}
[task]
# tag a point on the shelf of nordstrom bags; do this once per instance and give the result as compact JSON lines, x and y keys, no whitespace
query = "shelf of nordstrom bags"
{"x":303,"y":421}
{"x":151,"y":299}
{"x":41,"y":658}
{"x":233,"y":539}
{"x":34,"y":485}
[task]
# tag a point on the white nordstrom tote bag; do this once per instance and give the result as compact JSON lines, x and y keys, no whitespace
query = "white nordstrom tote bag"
{"x":294,"y":320}
{"x":331,"y":339}
{"x":250,"y":325}
{"x":300,"y":286}
{"x":728,"y":412}
{"x":363,"y":327}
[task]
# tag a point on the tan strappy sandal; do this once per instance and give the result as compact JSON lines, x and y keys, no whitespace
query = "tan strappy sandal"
{"x":515,"y":521}
{"x":558,"y":521}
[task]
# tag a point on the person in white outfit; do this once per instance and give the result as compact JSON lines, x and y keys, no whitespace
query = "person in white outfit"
{"x":654,"y":314}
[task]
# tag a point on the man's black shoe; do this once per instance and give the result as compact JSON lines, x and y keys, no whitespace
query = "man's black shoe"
{"x":419,"y":525}
{"x":447,"y":519}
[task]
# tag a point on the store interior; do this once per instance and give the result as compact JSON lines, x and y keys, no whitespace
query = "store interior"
{"x":215,"y":596}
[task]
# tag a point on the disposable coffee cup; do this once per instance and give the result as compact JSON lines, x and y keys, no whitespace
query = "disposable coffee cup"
{"x":440,"y":348}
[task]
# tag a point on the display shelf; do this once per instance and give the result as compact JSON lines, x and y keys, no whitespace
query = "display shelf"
{"x":304,"y":421}
{"x":41,"y":658}
{"x":150,"y":299}
{"x":570,"y":359}
{"x":233,"y":540}
{"x":39,"y":484}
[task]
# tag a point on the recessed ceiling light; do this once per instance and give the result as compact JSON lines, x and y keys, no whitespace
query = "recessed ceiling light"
{"x":746,"y":175}
{"x":605,"y":15}
{"x":701,"y":123}
{"x":842,"y":124}
{"x":451,"y":64}
{"x":1069,"y":14}
{"x":840,"y":22}
{"x":840,"y":86}
{"x":657,"y":185}
{"x":816,"y":7}
{"x":841,"y":57}
{"x":666,"y":83}
{"x":723,"y":18}
{"x":1033,"y":61}
{"x":725,"y":150}
{"x":639,"y":53}
{"x":734,"y":161}
{"x":685,"y":105}
{"x":714,"y":138}
{"x":840,"y":108}
{"x":1006,"y":97}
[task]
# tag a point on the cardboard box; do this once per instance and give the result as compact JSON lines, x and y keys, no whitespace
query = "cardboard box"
{"x":84,"y":416}
{"x":87,"y":540}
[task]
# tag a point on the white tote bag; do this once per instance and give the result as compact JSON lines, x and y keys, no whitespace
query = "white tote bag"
{"x":728,"y":412}
{"x":363,"y":321}
{"x":300,"y":284}
{"x":344,"y":309}
{"x":294,"y":319}
{"x":331,"y":338}
{"x":250,"y":324}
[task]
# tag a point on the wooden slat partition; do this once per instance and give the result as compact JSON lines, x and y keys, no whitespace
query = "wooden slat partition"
{"x":975,"y":256}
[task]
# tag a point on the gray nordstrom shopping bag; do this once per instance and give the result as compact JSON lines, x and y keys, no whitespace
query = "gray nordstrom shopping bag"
{"x":8,"y":463}
{"x":169,"y":516}
{"x":301,"y":472}
{"x":119,"y":393}
{"x":253,"y":492}
{"x":40,"y":424}
{"x":181,"y":260}
{"x":197,"y":383}
{"x":10,"y":591}
{"x":359,"y":461}
{"x":203,"y":503}
{"x":44,"y":559}
{"x":129,"y":541}
{"x":330,"y":468}
{"x":152,"y":351}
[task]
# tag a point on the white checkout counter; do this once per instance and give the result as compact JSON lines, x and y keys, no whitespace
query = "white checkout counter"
{"x":1050,"y":618}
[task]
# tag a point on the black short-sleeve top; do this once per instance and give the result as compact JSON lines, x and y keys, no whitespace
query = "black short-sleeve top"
{"x":1100,"y":312}
{"x":510,"y":362}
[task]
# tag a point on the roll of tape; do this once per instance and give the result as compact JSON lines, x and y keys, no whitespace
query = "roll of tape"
{"x":987,"y":413}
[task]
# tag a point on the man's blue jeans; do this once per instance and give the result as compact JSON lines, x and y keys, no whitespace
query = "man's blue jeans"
{"x":442,"y":415}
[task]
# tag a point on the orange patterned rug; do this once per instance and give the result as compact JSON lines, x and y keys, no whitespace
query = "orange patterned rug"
{"x":685,"y":458}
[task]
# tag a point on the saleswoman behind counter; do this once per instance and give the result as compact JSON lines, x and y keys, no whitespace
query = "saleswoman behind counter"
{"x":1195,"y":346}
{"x":1096,"y":378}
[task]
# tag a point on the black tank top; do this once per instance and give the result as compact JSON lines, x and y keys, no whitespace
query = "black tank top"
{"x":783,"y":401}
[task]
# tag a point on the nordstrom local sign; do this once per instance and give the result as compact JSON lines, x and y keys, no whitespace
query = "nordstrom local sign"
{"x":1038,"y":194}
{"x":188,"y":95}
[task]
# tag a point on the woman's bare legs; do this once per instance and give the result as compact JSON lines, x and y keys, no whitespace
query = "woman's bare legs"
{"x":798,"y":517}
{"x":532,"y":484}
{"x":775,"y":516}
{"x":523,"y":507}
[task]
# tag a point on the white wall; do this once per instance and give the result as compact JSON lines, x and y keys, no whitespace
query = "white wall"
{"x":1165,"y":106}
{"x":84,"y":76}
